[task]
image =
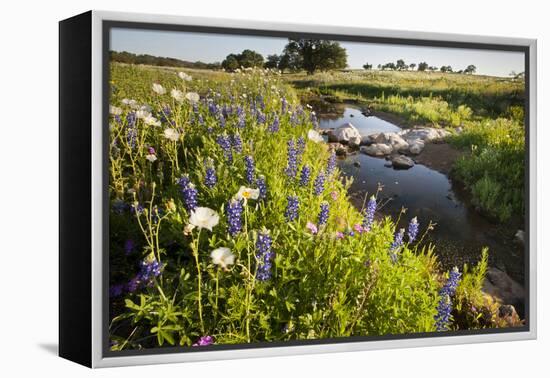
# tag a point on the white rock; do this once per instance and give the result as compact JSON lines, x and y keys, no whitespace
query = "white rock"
{"x":377,"y":149}
{"x":343,"y":133}
{"x":402,"y":162}
{"x":416,"y":146}
{"x":355,"y":141}
{"x":427,"y":134}
{"x":398,"y":143}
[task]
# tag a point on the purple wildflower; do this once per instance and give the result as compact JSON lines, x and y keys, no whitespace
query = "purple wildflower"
{"x":412,"y":231}
{"x":292,"y":207}
{"x":312,"y":227}
{"x":234,"y":217}
{"x":221,"y":119}
{"x":323,"y":214}
{"x":262,"y":187}
{"x":274,"y":127}
{"x":190,"y":194}
{"x":119,"y":206}
{"x":292,"y":163}
{"x":237,"y":143}
{"x":210,"y":178}
{"x":396,"y":244}
{"x":264,"y":255}
{"x":225,"y":143}
{"x":319,"y":184}
{"x":284,"y":105}
{"x":249,"y":163}
{"x":305,"y":175}
{"x":445,"y":307}
{"x":369,"y":214}
{"x":116,"y":290}
{"x":204,"y":341}
{"x":331,"y":164}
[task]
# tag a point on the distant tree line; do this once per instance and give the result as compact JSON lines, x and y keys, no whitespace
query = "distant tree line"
{"x":131,"y":58}
{"x":309,"y":55}
{"x":400,"y":65}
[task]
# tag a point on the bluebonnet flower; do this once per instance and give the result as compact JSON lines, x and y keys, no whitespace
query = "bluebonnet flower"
{"x":274,"y":127}
{"x":200,"y":120}
{"x":284,"y":105}
{"x":305,"y":175}
{"x":323,"y":214}
{"x":210,"y":178}
{"x":240,"y":112}
{"x":225,"y":143}
{"x":165,"y":114}
{"x":131,"y":119}
{"x":445,"y":307}
{"x":293,"y":119}
{"x":116,"y":290}
{"x":137,"y":208}
{"x":319,"y":184}
{"x":237,"y":143}
{"x":369,"y":213}
{"x":204,"y":341}
{"x":221,"y":119}
{"x":292,"y":207}
{"x":212,"y":108}
{"x":149,"y":269}
{"x":234,"y":217}
{"x":331,"y":163}
{"x":262,"y":187}
{"x":242,"y":122}
{"x":292,"y":164}
{"x":249,"y":163}
{"x":397,"y":242}
{"x":314,"y":120}
{"x":189,"y":193}
{"x":131,"y":136}
{"x":133,"y":284}
{"x":195,"y":107}
{"x":264,"y":255}
{"x":129,"y":246}
{"x":260,"y":117}
{"x":412,"y":232}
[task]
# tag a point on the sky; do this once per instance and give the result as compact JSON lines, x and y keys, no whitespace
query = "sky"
{"x":211,"y":48}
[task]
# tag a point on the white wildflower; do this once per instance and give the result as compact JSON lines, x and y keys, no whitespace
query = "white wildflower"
{"x":171,"y":134}
{"x":247,"y":193}
{"x":223,"y":257}
{"x":204,"y":217}
{"x":177,"y":95}
{"x":151,"y":121}
{"x":115,"y":110}
{"x":151,"y":157}
{"x":159,"y":89}
{"x":192,"y":97}
{"x":183,"y":76}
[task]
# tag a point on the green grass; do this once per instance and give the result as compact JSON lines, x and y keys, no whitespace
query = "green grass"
{"x":322,"y":285}
{"x":488,"y":110}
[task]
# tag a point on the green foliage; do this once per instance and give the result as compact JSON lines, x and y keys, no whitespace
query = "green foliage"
{"x":246,"y":59}
{"x":131,"y":58}
{"x":322,"y":285}
{"x":315,"y":55}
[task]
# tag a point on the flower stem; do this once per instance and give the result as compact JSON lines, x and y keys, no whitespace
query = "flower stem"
{"x":199,"y":278}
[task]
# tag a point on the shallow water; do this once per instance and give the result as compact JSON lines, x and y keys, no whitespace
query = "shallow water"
{"x":460,"y":233}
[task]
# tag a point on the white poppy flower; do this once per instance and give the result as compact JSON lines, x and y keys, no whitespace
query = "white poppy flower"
{"x":223,"y":257}
{"x":146,"y":107}
{"x":177,"y":95}
{"x":247,"y":193}
{"x":184,"y":76}
{"x":204,"y":217}
{"x":143,"y":114}
{"x":129,"y":102}
{"x":159,"y":89}
{"x":171,"y":134}
{"x":115,"y":110}
{"x":151,"y":121}
{"x":151,"y":157}
{"x":314,"y":136}
{"x":192,"y":97}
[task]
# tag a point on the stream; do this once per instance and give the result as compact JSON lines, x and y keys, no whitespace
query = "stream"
{"x":460,"y":233}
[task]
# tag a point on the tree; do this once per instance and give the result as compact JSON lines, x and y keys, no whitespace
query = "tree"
{"x":367,"y":66}
{"x":471,"y":69}
{"x":313,"y":54}
{"x":249,"y":58}
{"x":231,"y":62}
{"x":400,"y":65}
{"x":272,"y":61}
{"x":423,"y":66}
{"x":446,"y":69}
{"x":412,"y":66}
{"x":379,"y":67}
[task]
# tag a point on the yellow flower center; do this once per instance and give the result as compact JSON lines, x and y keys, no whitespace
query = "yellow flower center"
{"x":246,"y":194}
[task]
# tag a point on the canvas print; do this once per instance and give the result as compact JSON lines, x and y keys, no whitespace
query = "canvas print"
{"x":273,"y":191}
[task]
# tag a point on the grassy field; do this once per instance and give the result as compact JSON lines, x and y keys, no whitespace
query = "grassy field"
{"x":488,"y":111}
{"x":230,"y":223}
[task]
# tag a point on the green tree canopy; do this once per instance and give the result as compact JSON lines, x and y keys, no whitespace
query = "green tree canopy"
{"x":313,"y":54}
{"x":248,"y":58}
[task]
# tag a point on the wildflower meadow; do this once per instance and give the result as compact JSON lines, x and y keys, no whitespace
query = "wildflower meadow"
{"x":230,"y":223}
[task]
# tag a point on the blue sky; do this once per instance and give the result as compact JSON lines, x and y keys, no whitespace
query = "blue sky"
{"x":215,"y":47}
